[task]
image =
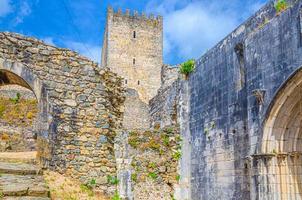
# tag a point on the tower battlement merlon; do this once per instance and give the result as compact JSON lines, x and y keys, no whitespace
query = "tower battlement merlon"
{"x":134,"y":14}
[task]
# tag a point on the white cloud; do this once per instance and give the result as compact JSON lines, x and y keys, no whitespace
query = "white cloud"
{"x":193,"y":26}
{"x":90,"y":51}
{"x":5,"y":7}
{"x":23,"y":11}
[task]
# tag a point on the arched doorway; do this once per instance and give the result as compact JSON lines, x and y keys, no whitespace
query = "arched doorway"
{"x":282,"y":143}
{"x":17,"y":77}
{"x":18,"y":119}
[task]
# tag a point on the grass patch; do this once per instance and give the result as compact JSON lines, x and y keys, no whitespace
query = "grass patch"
{"x":112,"y":180}
{"x":65,"y":188}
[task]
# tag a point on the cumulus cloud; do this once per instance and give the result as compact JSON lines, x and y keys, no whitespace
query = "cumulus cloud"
{"x":90,"y":51}
{"x":5,"y":7}
{"x":191,"y":27}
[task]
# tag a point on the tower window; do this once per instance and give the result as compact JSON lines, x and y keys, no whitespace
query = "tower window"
{"x":134,"y":61}
{"x":134,"y":34}
{"x":138,"y":82}
{"x":126,"y":82}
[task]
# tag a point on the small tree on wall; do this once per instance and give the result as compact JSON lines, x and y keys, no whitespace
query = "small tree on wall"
{"x":187,"y":67}
{"x":281,"y":5}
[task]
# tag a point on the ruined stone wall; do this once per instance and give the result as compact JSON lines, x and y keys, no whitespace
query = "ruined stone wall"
{"x":164,"y":106}
{"x":11,"y":91}
{"x":230,"y":91}
{"x":133,"y":48}
{"x":136,"y":112}
{"x":79,"y":106}
{"x":17,"y":119}
{"x":147,"y":163}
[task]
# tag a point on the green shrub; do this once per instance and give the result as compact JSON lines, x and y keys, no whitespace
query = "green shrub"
{"x":16,"y":99}
{"x":116,"y":196}
{"x":112,"y":180}
{"x":177,"y":177}
{"x":153,"y":175}
{"x":177,"y":155}
{"x":187,"y":67}
{"x":281,"y":5}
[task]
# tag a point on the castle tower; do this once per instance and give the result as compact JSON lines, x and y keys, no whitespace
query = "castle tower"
{"x":133,"y":48}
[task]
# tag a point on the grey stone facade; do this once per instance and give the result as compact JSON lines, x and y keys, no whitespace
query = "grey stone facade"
{"x":231,"y":91}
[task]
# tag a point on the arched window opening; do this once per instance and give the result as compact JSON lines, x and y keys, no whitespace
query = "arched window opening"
{"x":134,"y":34}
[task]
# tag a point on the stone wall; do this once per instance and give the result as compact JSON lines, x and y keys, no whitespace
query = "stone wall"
{"x":164,"y":106}
{"x":147,"y":163}
{"x":79,"y":106}
{"x":133,"y":48}
{"x":231,"y":91}
{"x":136,"y":112}
{"x":11,"y":91}
{"x":17,"y":119}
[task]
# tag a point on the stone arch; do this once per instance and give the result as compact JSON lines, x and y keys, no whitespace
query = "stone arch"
{"x":281,"y":144}
{"x":81,"y":106}
{"x":18,"y":74}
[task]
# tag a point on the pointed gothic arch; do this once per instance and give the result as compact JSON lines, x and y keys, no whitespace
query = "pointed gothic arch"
{"x":282,"y":142}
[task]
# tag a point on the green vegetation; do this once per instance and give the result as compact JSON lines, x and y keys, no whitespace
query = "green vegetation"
{"x":18,"y":111}
{"x":177,"y":155}
{"x":112,"y":180}
{"x":281,"y":5}
{"x":134,"y":177}
{"x":187,"y":67}
{"x":16,"y":99}
{"x":153,"y":175}
{"x":87,"y":189}
{"x":116,"y":196}
{"x":178,"y":177}
{"x":152,"y":165}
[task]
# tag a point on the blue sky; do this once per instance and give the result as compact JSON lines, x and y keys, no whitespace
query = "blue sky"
{"x":190,"y":26}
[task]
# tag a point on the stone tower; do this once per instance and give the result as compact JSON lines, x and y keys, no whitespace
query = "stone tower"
{"x":133,"y":48}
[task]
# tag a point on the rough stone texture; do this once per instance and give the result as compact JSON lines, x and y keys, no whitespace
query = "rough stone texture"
{"x":16,"y":139}
{"x":137,"y":59}
{"x":147,"y":163}
{"x":232,"y":92}
{"x":136,"y":112}
{"x":10,"y":91}
{"x":163,"y":107}
{"x":20,"y":180}
{"x":17,"y":119}
{"x":79,"y":106}
{"x":169,"y":74}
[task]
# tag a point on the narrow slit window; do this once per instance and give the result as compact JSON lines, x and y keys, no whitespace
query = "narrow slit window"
{"x":134,"y":34}
{"x":126,"y":82}
{"x":138,"y":82}
{"x":134,"y":61}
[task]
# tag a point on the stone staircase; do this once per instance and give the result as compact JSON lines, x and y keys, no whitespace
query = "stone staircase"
{"x":21,"y":179}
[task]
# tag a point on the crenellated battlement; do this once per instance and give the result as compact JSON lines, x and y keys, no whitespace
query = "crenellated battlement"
{"x":133,"y":14}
